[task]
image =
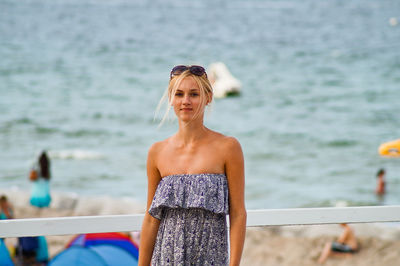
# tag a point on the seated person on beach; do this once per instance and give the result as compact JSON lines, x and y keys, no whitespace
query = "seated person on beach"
{"x":380,"y":185}
{"x":6,"y":210}
{"x":345,"y":246}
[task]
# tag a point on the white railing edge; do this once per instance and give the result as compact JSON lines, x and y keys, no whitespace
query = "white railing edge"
{"x":255,"y":218}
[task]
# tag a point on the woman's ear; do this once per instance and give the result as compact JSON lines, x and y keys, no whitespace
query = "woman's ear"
{"x":209,"y":100}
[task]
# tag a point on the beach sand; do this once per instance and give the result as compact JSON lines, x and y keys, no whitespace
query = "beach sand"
{"x":302,"y":245}
{"x":285,"y":245}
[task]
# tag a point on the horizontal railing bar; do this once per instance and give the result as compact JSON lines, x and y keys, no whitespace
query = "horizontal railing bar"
{"x":130,"y":223}
{"x":70,"y":225}
{"x":330,"y":215}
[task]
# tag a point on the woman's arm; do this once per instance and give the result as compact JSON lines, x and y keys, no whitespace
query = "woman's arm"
{"x":234,"y":168}
{"x":150,"y":224}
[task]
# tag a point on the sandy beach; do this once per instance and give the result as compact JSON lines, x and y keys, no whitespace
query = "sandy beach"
{"x":288,"y":245}
{"x":302,"y":245}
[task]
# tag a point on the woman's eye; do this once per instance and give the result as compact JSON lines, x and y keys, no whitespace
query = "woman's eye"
{"x":179,"y":94}
{"x":194,"y":94}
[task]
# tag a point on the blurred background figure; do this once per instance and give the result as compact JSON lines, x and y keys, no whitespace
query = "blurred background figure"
{"x":32,"y":251}
{"x":6,"y":209}
{"x":40,"y":176}
{"x":6,"y":212}
{"x":380,"y":185}
{"x":345,"y":246}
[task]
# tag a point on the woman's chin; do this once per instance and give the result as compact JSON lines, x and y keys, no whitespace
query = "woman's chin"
{"x":186,"y":118}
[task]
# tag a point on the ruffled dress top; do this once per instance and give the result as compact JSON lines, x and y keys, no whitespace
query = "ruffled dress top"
{"x":192,"y":210}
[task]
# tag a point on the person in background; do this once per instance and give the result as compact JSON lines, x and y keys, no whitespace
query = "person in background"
{"x":6,"y":212}
{"x":380,"y":185}
{"x":42,"y":252}
{"x":40,"y":177}
{"x":6,"y":209}
{"x":32,"y":251}
{"x":345,"y":246}
{"x":40,"y":198}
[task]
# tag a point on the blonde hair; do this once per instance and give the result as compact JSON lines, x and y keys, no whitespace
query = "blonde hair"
{"x":206,"y":92}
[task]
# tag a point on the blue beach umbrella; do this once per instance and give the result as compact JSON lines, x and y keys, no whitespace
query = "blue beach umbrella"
{"x":115,"y":239}
{"x":5,"y":259}
{"x":99,"y":255}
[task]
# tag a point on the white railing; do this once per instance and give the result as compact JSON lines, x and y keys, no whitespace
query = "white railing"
{"x":130,"y":223}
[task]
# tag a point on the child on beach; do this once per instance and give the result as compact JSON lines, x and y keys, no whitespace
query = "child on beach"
{"x":40,"y":176}
{"x":346,"y":245}
{"x":195,"y":178}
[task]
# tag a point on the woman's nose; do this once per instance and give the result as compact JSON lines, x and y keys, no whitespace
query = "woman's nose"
{"x":186,"y":99}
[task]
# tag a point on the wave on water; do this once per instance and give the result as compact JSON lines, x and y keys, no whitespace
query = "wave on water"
{"x":263,"y":5}
{"x":76,"y":155}
{"x":341,"y":143}
{"x":7,"y":125}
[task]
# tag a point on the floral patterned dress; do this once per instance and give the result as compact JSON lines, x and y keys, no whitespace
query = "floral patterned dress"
{"x":193,"y":229}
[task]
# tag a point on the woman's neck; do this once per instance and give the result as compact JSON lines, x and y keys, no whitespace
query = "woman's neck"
{"x":190,"y":132}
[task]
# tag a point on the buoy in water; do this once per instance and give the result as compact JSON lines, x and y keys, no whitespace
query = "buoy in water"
{"x":393,"y":21}
{"x":223,"y":82}
{"x":390,"y":149}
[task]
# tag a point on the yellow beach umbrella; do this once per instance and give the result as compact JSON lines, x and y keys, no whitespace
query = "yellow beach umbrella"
{"x":390,"y":149}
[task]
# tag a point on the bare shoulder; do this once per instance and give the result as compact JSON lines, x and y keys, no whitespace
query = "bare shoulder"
{"x":233,"y":150}
{"x":227,"y":142}
{"x":153,"y":159}
{"x":232,"y":142}
{"x":156,"y":148}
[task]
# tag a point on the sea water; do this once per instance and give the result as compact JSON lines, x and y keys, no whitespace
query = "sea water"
{"x":320,"y":92}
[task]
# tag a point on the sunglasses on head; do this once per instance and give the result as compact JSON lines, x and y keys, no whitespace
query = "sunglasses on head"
{"x":195,"y":70}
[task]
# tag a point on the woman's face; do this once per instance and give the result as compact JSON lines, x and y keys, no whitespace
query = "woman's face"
{"x":187,"y":101}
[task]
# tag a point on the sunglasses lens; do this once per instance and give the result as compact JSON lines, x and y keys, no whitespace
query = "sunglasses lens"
{"x":197,"y":70}
{"x":178,"y":70}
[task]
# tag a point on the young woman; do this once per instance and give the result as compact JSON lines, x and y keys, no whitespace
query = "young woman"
{"x":195,"y":178}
